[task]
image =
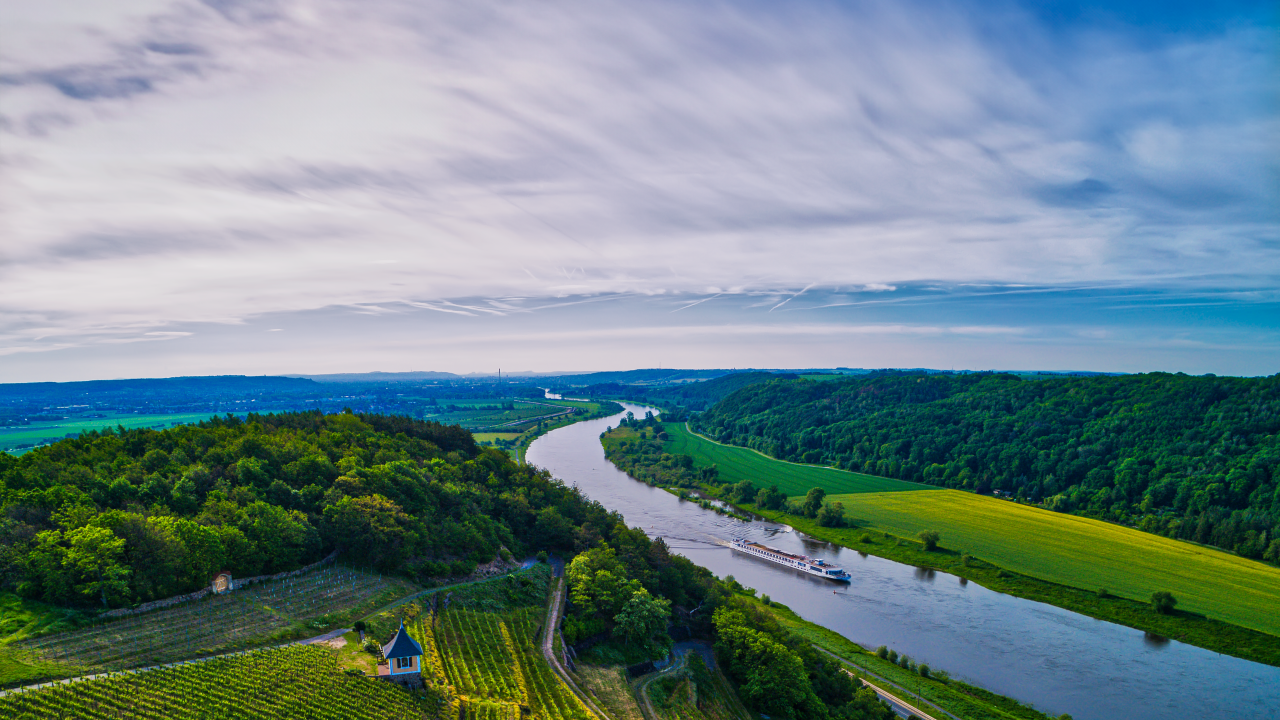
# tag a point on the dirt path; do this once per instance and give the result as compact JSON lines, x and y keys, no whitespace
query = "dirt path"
{"x":548,"y":650}
{"x":642,"y":688}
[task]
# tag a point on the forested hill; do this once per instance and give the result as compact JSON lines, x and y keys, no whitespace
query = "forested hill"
{"x":132,"y":515}
{"x":1195,"y":458}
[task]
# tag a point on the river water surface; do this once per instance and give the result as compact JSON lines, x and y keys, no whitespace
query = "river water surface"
{"x":1056,"y":660}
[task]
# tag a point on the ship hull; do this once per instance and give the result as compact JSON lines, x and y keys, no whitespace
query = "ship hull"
{"x":794,"y":563}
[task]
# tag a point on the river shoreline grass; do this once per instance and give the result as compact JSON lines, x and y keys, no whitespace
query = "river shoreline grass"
{"x":1190,"y":628}
{"x":966,"y":701}
{"x":603,"y":409}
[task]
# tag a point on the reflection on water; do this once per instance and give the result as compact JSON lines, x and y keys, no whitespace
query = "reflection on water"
{"x":1154,"y":640}
{"x":1059,"y":661}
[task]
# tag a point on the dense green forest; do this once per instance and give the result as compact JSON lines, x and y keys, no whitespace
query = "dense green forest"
{"x":132,"y":515}
{"x":1193,"y":458}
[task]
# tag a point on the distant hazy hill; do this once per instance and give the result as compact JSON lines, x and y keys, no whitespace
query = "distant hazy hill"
{"x":690,"y":396}
{"x":652,"y":376}
{"x":229,"y":384}
{"x":374,"y":377}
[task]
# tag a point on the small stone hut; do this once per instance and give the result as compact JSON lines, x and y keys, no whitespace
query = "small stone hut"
{"x":222,"y":582}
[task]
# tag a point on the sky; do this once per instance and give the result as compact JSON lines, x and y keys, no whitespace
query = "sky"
{"x":313,"y":186}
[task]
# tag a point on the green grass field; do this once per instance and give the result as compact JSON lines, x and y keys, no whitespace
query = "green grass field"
{"x":482,"y":437}
{"x":40,"y":432}
{"x":737,"y":464}
{"x":1081,"y":552}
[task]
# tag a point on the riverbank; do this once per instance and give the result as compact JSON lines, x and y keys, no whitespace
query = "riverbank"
{"x":595,"y":410}
{"x":643,"y":461}
{"x":939,"y":694}
{"x":1185,"y":627}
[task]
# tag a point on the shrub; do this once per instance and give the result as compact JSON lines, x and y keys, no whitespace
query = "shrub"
{"x":542,"y":556}
{"x":831,"y":515}
{"x":882,"y":652}
{"x":1163,"y":602}
{"x":1104,"y":593}
{"x":930,"y":539}
{"x":966,"y":559}
{"x":359,"y":626}
{"x":866,"y":538}
{"x":765,"y":599}
{"x":924,"y":670}
{"x":893,"y":656}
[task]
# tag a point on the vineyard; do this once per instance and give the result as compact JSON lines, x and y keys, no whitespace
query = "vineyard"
{"x":481,"y":649}
{"x":300,"y":682}
{"x":493,"y":663}
{"x":283,"y":608}
{"x":482,"y":657}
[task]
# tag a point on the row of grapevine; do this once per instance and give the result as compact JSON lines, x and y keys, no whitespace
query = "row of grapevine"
{"x":549,"y":697}
{"x":476,"y":658}
{"x":489,"y":710}
{"x":494,"y":662}
{"x":295,"y":682}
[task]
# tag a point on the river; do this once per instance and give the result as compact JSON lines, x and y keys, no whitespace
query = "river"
{"x":1056,"y":660}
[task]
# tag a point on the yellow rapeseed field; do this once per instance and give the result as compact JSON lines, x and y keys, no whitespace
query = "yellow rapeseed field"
{"x":1081,"y":552}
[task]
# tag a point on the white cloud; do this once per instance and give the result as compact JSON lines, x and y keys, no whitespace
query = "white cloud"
{"x":185,"y":162}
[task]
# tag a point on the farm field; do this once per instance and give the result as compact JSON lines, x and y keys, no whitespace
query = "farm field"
{"x":492,"y":417}
{"x":302,"y":682}
{"x":1080,"y":552}
{"x":16,"y":440}
{"x":489,"y":437}
{"x":275,"y":610}
{"x":737,"y":464}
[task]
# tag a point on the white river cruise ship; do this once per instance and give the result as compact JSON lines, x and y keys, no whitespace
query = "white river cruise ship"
{"x":798,"y":562}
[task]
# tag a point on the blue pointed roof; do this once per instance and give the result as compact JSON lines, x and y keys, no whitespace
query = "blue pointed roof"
{"x":401,"y":645}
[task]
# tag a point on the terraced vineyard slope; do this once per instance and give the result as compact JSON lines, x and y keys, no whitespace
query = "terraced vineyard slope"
{"x":293,"y":607}
{"x":297,"y":682}
{"x":481,"y":648}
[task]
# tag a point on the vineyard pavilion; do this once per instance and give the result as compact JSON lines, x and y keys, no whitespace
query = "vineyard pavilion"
{"x":403,"y":654}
